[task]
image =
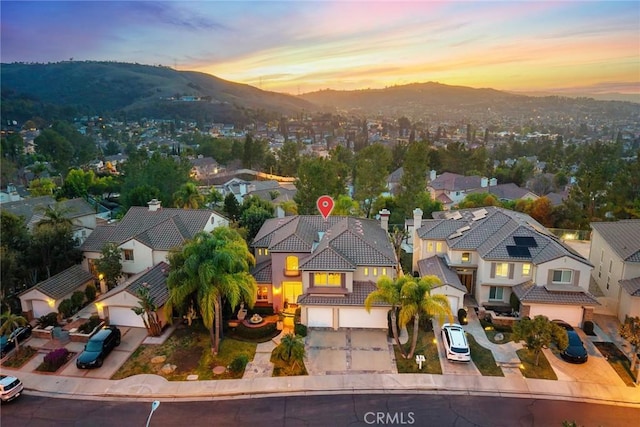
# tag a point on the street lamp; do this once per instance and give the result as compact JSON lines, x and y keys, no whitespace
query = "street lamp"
{"x":154,"y":406}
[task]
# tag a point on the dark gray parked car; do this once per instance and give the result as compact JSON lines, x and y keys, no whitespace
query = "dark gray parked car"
{"x":98,"y":347}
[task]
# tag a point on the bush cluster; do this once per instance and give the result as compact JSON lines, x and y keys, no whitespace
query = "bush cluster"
{"x":71,"y":306}
{"x":50,"y":319}
{"x":300,"y":329}
{"x":54,"y":360}
{"x":90,"y":292}
{"x":238,"y":364}
{"x":89,"y":326}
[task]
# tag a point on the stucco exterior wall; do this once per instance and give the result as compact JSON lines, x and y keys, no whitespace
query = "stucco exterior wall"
{"x":142,"y":257}
{"x":564,"y":263}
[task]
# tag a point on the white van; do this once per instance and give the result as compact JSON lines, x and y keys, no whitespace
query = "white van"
{"x":455,"y":343}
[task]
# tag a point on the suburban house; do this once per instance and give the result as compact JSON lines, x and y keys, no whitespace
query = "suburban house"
{"x":204,"y":168}
{"x":326,"y":267}
{"x":496,"y":253}
{"x":46,"y":296}
{"x":78,"y":210}
{"x":147,"y":235}
{"x":116,"y":305}
{"x":507,"y":192}
{"x":615,"y":254}
{"x":451,"y":188}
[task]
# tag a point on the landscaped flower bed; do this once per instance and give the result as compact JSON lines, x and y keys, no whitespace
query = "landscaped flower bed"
{"x":54,"y":360}
{"x":19,"y":358}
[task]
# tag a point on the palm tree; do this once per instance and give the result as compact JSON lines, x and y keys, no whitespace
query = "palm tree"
{"x":417,"y":300}
{"x":148,"y":310}
{"x":388,"y":291}
{"x":210,"y":267}
{"x":188,"y":197}
{"x":290,"y":347}
{"x":54,"y":216}
{"x":10,"y":322}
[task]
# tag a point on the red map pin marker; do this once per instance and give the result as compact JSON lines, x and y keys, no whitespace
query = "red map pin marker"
{"x":325,"y":205}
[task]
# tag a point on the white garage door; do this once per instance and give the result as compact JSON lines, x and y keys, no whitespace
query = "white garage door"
{"x":360,"y":318}
{"x":41,"y":308}
{"x":572,"y":315}
{"x":124,"y":316}
{"x":453,"y":303}
{"x":320,"y":317}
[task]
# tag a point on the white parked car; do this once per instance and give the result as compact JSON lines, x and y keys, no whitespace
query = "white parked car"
{"x":10,"y":388}
{"x":455,"y":343}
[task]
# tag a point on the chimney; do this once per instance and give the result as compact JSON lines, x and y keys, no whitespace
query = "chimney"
{"x":484,"y":182}
{"x":417,"y":252}
{"x":493,"y":182}
{"x":154,"y":205}
{"x":432,"y":175}
{"x":384,"y":219}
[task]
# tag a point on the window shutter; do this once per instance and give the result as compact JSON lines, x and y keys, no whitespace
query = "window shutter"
{"x":493,"y":270}
{"x":576,"y":277}
{"x":343,"y":280}
{"x":511,"y":268}
{"x":312,"y":279}
{"x":550,"y":276}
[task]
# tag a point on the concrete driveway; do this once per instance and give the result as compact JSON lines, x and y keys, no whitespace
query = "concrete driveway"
{"x":130,"y":341}
{"x":348,"y":351}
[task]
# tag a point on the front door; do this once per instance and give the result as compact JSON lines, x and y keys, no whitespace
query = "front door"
{"x":292,"y":290}
{"x":467,"y":277}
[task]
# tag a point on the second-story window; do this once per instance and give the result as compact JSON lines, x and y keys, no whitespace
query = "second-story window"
{"x":526,"y":270}
{"x":466,"y":257}
{"x":128,"y":254}
{"x":562,"y":276}
{"x":502,"y":269}
{"x":327,"y":279}
{"x":291,"y":266}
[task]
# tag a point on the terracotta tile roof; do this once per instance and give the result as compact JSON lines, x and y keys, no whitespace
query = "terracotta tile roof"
{"x":360,"y":292}
{"x":63,"y":283}
{"x":623,"y":237}
{"x":491,"y":231}
{"x":528,"y":292}
{"x":162,"y":229}
{"x":156,"y":280}
{"x":263,"y":272}
{"x":437,"y":266}
{"x":631,"y":286}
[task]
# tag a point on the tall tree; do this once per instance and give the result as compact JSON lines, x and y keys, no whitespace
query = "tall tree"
{"x":538,"y":333}
{"x":388,"y":292}
{"x":630,"y":331}
{"x":147,"y":309}
{"x":414,"y":177}
{"x":209,"y":269}
{"x":417,"y":300}
{"x":289,"y":158}
{"x":110,"y":264}
{"x":318,"y":177}
{"x":9,"y":323}
{"x":188,"y":197}
{"x":372,"y":168}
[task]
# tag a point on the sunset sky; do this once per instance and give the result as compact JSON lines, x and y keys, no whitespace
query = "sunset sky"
{"x":302,"y":46}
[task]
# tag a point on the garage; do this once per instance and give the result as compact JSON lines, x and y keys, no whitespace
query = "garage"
{"x":320,"y":317}
{"x":570,"y":314}
{"x":360,"y":318}
{"x":124,"y":316}
{"x":41,"y":308}
{"x":453,"y":303}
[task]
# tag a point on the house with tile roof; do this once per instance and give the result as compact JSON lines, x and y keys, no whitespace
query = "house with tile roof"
{"x":507,"y":192}
{"x":496,"y":253}
{"x":615,"y":254}
{"x":327,"y":267}
{"x":78,"y":210}
{"x":45,"y":297}
{"x":147,"y":235}
{"x":116,"y":305}
{"x":451,"y":188}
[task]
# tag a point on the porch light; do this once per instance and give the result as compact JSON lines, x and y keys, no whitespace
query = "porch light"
{"x":99,"y":305}
{"x":276,"y":291}
{"x":522,"y":366}
{"x":51,"y":302}
{"x":435,"y":341}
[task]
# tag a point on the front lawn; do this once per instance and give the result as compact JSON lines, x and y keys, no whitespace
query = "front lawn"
{"x":543,"y":371}
{"x":19,"y":358}
{"x":428,"y":346}
{"x":189,"y":349}
{"x":483,"y":359}
{"x":618,"y":361}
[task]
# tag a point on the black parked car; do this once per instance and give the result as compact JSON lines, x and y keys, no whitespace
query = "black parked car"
{"x":575,"y":353}
{"x":98,"y":347}
{"x":19,"y":335}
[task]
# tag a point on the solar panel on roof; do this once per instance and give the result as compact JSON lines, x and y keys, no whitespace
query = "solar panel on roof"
{"x":527,"y":241}
{"x":518,"y":251}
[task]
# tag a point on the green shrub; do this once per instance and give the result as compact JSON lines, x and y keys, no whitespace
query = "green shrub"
{"x":238,"y":364}
{"x":514,"y":302}
{"x":89,"y":326}
{"x":90,"y":292}
{"x":300,"y":329}
{"x":298,"y":314}
{"x":66,"y":308}
{"x":54,"y":360}
{"x":77,"y":300}
{"x":50,"y":319}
